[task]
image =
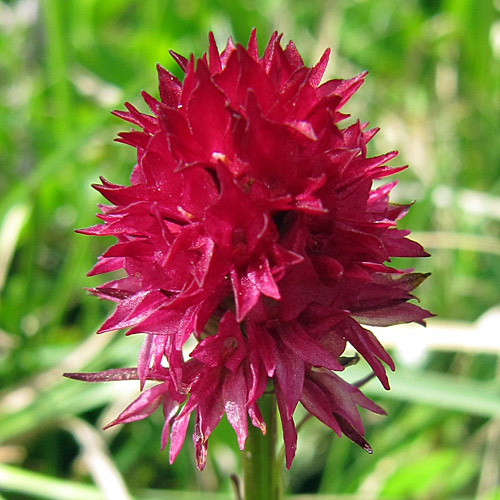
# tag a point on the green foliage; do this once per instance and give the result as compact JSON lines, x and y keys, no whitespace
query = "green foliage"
{"x":433,"y":88}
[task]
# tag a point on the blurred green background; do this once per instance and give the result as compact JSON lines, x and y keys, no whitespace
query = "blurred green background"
{"x":433,"y":88}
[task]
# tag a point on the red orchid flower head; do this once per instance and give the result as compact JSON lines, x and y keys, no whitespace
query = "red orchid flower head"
{"x":251,"y":223}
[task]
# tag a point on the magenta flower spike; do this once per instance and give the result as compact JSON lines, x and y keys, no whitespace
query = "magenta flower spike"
{"x":251,"y":223}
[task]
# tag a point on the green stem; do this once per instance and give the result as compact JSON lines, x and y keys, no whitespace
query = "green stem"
{"x":261,"y":470}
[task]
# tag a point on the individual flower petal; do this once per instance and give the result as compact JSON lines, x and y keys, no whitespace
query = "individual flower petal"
{"x":234,"y":391}
{"x":143,"y":406}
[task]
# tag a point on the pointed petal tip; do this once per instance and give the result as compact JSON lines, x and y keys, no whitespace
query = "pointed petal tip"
{"x":252,"y":47}
{"x":111,"y":424}
{"x":201,"y":457}
{"x":424,"y":322}
{"x":74,"y":376}
{"x":180,"y":60}
{"x":85,"y":377}
{"x":289,"y":458}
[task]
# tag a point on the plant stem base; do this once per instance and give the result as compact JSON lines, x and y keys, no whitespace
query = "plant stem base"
{"x":261,"y":470}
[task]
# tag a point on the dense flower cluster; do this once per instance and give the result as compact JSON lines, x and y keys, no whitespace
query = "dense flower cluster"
{"x":250,"y":223}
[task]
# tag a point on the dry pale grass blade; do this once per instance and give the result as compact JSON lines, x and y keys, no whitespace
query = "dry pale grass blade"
{"x":458,"y":241}
{"x":14,"y":400}
{"x":490,"y":471}
{"x":11,"y":226}
{"x":443,"y":335}
{"x":12,"y":454}
{"x":97,"y":460}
